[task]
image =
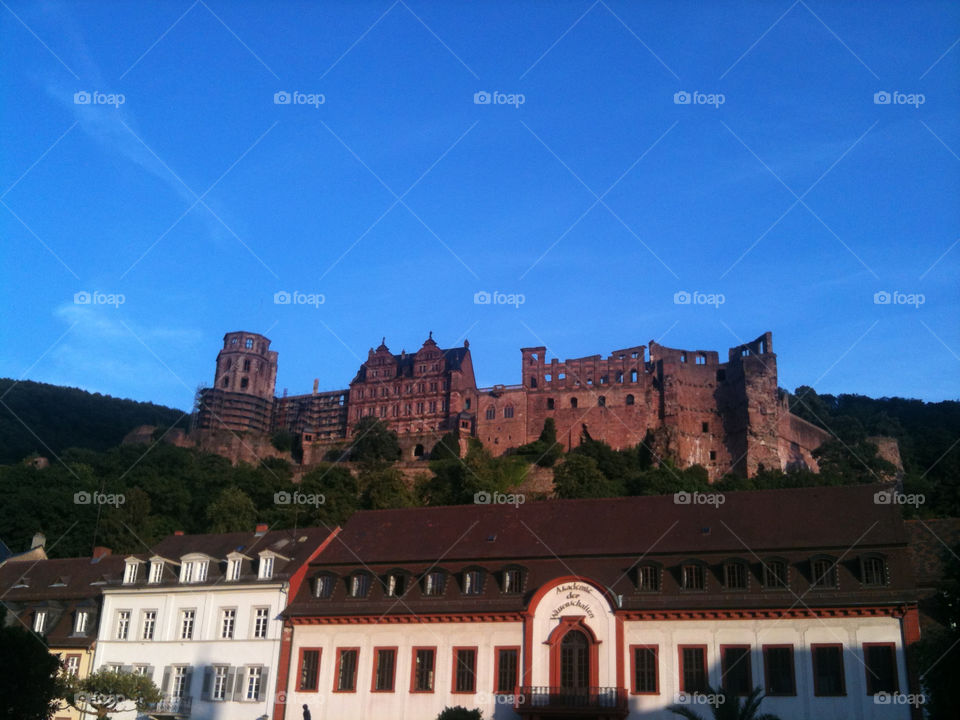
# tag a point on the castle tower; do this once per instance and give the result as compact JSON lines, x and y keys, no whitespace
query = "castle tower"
{"x":242,"y":395}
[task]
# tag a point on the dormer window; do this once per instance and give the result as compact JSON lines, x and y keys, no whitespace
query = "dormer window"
{"x":693,"y":577}
{"x":472,"y":582}
{"x":81,"y":622}
{"x":396,"y":585}
{"x":359,"y":585}
{"x":648,"y":578}
{"x":512,"y":580}
{"x":824,"y":571}
{"x":774,"y":574}
{"x":40,"y":621}
{"x":131,"y":572}
{"x":433,"y":583}
{"x":323,"y":586}
{"x":873,"y":571}
{"x":735,"y":575}
{"x":156,"y":571}
{"x":266,"y":567}
{"x":233,"y":569}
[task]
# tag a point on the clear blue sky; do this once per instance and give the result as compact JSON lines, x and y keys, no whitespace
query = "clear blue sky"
{"x":398,"y":198}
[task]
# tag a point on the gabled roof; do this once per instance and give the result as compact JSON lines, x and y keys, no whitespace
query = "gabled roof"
{"x":453,"y":358}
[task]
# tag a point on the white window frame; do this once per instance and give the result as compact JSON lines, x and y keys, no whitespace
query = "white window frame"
{"x":233,"y":569}
{"x":39,"y":621}
{"x":72,"y":664}
{"x":253,"y":681}
{"x":187,"y":615}
{"x":131,"y":572}
{"x":81,"y":622}
{"x":228,"y":620}
{"x":148,"y":620}
{"x":156,"y":572}
{"x":265,"y":571}
{"x":123,"y":625}
{"x":261,"y":614}
{"x":219,"y":684}
{"x":178,"y":680}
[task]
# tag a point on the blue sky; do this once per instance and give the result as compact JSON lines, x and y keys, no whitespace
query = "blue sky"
{"x":784,"y":196}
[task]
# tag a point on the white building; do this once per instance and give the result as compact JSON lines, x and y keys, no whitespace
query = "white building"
{"x":200,"y":615}
{"x":609,"y":609}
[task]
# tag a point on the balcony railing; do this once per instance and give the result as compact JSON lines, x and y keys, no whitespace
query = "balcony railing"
{"x":598,"y":700}
{"x":174,"y":706}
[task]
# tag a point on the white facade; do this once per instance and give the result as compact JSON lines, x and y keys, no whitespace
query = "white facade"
{"x":212,"y":649}
{"x":565,"y":605}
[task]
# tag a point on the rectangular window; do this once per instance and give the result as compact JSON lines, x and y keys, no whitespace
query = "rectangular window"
{"x":260,"y":622}
{"x":472,"y":584}
{"x":130,"y":572}
{"x":693,"y":668}
{"x":735,"y":667}
{"x":186,"y":575}
{"x":433,"y":584}
{"x":156,"y":571}
{"x":233,"y":570}
{"x":774,"y":574}
{"x":228,"y":620}
{"x":828,"y":670}
{"x":648,"y":579}
{"x":881,"y":663}
{"x":778,"y":670}
{"x":148,"y":624}
{"x":179,"y":686}
{"x":395,"y":585}
{"x":187,"y":618}
{"x":72,"y":664}
{"x":512,"y":581}
{"x":384,"y":669}
{"x":824,"y":573}
{"x":422,"y":671}
{"x":693,"y":577}
{"x":346,"y":669}
{"x":220,"y":675}
{"x":508,"y":663}
{"x":464,"y":670}
{"x":266,"y":567}
{"x":123,"y":624}
{"x":646,"y":675}
{"x":874,"y":572}
{"x":81,"y":622}
{"x":735,"y":576}
{"x":254,"y":681}
{"x":309,"y":673}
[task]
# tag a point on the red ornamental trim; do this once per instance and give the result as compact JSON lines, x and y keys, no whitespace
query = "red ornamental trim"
{"x":764,"y":613}
{"x":405,"y":619}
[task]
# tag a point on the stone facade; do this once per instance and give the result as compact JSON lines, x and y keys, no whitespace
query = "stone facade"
{"x":685,"y":405}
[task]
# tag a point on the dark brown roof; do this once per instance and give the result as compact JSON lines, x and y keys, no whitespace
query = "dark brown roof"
{"x":931,"y":544}
{"x":606,"y":539}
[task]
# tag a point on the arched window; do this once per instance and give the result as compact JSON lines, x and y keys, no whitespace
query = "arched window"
{"x":629,"y":399}
{"x":418,"y":451}
{"x":550,"y":404}
{"x":573,"y":402}
{"x":508,"y":411}
{"x":491,"y":413}
{"x":601,"y":401}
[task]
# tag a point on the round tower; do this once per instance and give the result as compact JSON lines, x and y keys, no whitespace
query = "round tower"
{"x":247,"y":365}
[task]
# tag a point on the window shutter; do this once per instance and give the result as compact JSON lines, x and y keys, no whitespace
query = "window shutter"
{"x":186,"y":682}
{"x":229,"y":688}
{"x":149,"y":672}
{"x":207,"y":682}
{"x":264,"y":677}
{"x":238,"y":688}
{"x":165,"y":684}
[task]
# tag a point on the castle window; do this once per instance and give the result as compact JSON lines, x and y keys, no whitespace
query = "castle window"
{"x":508,"y":411}
{"x":561,"y":376}
{"x":634,"y":355}
{"x":601,"y":401}
{"x":744,"y":352}
{"x":233,"y":341}
{"x":604,"y":379}
{"x":406,"y":409}
{"x":713,"y":454}
{"x":705,"y":427}
{"x":420,"y":387}
{"x":701,"y":359}
{"x":550,"y":404}
{"x":619,"y":376}
{"x":466,"y":404}
{"x":246,"y":365}
{"x":383,"y":411}
{"x":533,"y":382}
{"x":418,"y":451}
{"x":248,"y":344}
{"x":683,"y":357}
{"x":433,"y":406}
{"x":633,"y":376}
{"x":629,"y":399}
{"x":226,"y":381}
{"x":491,"y":413}
{"x":433,"y":387}
{"x":419,"y":408}
{"x":573,"y":402}
{"x":244,"y":382}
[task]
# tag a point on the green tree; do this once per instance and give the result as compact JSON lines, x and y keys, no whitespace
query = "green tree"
{"x":545,"y":450}
{"x":372,"y":441}
{"x":458,"y":712}
{"x":383,"y":486}
{"x":232,"y":511}
{"x":729,"y":707}
{"x":30,"y":684}
{"x":448,"y":447}
{"x":105,"y":692}
{"x":579,"y":476}
{"x":937,"y":655}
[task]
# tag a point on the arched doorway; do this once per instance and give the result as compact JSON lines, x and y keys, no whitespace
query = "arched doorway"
{"x":575,"y":662}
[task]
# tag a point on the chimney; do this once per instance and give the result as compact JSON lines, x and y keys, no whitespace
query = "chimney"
{"x":316,"y":384}
{"x":261,"y":529}
{"x":178,"y":532}
{"x":100,"y":552}
{"x":39,"y":541}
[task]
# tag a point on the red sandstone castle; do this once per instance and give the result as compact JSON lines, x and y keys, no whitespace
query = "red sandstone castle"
{"x":685,"y":405}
